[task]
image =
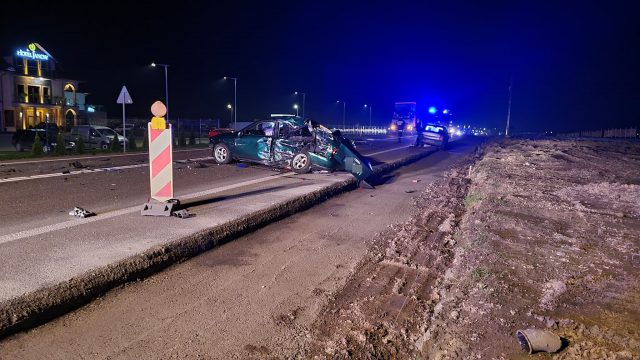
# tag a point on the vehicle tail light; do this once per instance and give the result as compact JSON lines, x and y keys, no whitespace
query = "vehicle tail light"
{"x":334,"y":151}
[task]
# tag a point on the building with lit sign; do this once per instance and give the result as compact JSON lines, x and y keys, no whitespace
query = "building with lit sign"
{"x":32,"y":92}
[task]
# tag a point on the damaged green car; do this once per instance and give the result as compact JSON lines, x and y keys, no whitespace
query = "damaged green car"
{"x":290,"y":142}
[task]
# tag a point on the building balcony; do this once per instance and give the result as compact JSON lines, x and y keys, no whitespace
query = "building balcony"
{"x":47,"y":101}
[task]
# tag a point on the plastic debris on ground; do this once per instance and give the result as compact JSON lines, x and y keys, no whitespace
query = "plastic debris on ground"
{"x":81,"y":213}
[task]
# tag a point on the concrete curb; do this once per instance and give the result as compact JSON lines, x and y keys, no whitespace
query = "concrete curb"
{"x":38,"y":307}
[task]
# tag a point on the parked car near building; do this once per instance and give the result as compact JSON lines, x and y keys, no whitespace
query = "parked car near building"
{"x":95,"y":137}
{"x":23,"y":139}
{"x":290,"y":142}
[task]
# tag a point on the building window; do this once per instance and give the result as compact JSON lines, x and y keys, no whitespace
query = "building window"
{"x":46,"y":95}
{"x":34,"y":94}
{"x":21,"y":93}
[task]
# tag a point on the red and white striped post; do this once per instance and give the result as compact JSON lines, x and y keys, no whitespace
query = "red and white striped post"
{"x":160,"y":164}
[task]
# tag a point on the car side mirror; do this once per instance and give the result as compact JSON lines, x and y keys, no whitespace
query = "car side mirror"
{"x":240,"y":133}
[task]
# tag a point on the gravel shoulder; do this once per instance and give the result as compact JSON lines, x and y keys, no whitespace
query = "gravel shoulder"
{"x":541,"y":234}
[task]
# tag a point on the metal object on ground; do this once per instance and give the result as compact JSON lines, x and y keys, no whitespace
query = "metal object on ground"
{"x":534,"y":340}
{"x":182,"y":214}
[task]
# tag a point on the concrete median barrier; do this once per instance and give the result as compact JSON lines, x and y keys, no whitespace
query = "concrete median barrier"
{"x":37,"y":307}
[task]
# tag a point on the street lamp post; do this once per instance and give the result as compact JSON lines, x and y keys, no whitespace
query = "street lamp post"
{"x":304,"y":95}
{"x":230,"y":113}
{"x":166,"y":85}
{"x":235,"y":101}
{"x":506,"y":131}
{"x":344,"y":113}
{"x":370,"y":110}
{"x":295,"y":106}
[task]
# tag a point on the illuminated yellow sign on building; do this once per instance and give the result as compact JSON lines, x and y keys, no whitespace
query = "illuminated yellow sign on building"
{"x":31,"y":53}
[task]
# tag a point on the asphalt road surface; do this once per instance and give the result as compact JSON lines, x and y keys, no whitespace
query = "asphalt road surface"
{"x":255,"y":296}
{"x":41,"y":245}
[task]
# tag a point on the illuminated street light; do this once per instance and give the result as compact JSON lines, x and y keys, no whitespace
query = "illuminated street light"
{"x":166,"y":86}
{"x":235,"y":100}
{"x":445,"y":111}
{"x":304,"y":95}
{"x":432,"y":110}
{"x":295,"y":106}
{"x":230,"y":113}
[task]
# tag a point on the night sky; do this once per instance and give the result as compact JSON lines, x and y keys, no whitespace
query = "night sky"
{"x":574,"y":66}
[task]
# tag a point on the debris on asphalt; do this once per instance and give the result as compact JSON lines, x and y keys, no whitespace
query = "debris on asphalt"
{"x":410,"y":191}
{"x":66,"y":172}
{"x":81,"y":213}
{"x":416,"y":180}
{"x":201,"y":165}
{"x":182,"y":214}
{"x":77,"y":164}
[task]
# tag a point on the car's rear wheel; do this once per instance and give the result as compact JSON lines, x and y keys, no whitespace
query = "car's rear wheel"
{"x":301,"y":163}
{"x":221,"y":153}
{"x":104,"y":146}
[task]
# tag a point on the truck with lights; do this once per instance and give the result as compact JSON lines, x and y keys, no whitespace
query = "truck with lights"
{"x":404,"y":117}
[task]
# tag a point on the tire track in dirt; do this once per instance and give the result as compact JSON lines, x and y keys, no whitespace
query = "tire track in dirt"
{"x":384,"y":307}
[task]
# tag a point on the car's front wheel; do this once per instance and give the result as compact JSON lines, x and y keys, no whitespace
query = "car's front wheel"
{"x":301,"y":164}
{"x":221,"y":153}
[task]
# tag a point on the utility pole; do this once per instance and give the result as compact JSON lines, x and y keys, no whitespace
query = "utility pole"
{"x":506,"y":132}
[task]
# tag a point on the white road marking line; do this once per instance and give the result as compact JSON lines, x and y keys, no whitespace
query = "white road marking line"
{"x":76,"y":222}
{"x":388,"y":150}
{"x":87,"y":171}
{"x":389,"y":139}
{"x":89,"y":157}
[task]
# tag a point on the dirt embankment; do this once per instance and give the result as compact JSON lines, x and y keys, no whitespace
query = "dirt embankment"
{"x":535,"y":234}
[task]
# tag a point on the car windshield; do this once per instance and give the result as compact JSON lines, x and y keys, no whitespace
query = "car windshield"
{"x":106,"y":132}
